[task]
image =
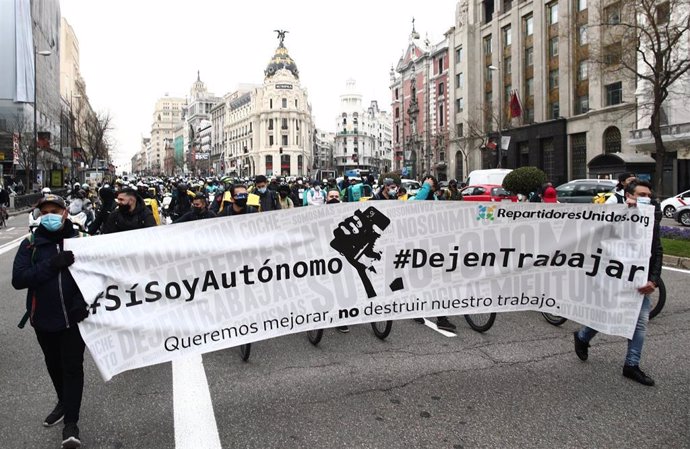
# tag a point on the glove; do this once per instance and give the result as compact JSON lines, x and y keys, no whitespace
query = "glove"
{"x":62,"y":260}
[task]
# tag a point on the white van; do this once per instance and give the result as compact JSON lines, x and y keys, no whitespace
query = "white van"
{"x":488,"y":176}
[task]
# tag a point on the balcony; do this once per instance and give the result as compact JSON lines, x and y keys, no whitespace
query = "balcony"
{"x":675,"y":137}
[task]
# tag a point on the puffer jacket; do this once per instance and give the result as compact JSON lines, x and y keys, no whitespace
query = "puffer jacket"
{"x":53,"y":298}
{"x":119,"y":221}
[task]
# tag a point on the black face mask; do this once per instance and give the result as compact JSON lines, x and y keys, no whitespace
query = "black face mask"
{"x":332,"y":201}
{"x":241,"y":201}
{"x":198,"y":210}
{"x":123,"y":207}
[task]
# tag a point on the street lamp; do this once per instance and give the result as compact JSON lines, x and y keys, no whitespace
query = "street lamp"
{"x":35,"y":145}
{"x":499,"y":149}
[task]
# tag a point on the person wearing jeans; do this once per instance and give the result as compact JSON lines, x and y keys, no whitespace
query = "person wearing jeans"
{"x":636,"y":192}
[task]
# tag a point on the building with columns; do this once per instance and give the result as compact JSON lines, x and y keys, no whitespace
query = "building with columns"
{"x":363,"y":136}
{"x":270,"y":128}
{"x":420,"y":104}
{"x":167,"y":114}
{"x":197,"y":116}
{"x":576,"y":101}
{"x":324,"y":143}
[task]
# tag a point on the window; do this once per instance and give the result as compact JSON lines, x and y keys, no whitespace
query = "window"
{"x":284,"y":103}
{"x":397,"y":94}
{"x":488,"y":10}
{"x":614,"y":93}
{"x":530,"y":87}
{"x":582,"y":35}
{"x":507,"y":5}
{"x":487,"y":45}
{"x":441,"y":88}
{"x":612,"y":140}
{"x":553,"y":47}
{"x":553,"y":79}
{"x":612,"y":14}
{"x":555,"y":110}
{"x":440,"y":115}
{"x":663,"y":12}
{"x":553,"y":13}
{"x":459,"y":129}
{"x":582,"y":70}
{"x":458,"y":57}
{"x":529,"y":115}
{"x":459,"y":104}
{"x":397,"y":112}
{"x":581,"y":5}
{"x":440,"y":64}
{"x":578,"y":155}
{"x":270,"y":140}
{"x":548,"y":158}
{"x":270,"y":124}
{"x":284,"y":124}
{"x":489,"y":74}
{"x":528,"y":25}
{"x":582,"y":104}
{"x":507,"y":36}
{"x":529,"y":56}
{"x":612,"y":53}
{"x":295,"y":103}
{"x":285,"y":140}
{"x":507,"y":65}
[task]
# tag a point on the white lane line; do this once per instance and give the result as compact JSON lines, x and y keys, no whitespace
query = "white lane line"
{"x":677,"y":269}
{"x":9,"y":229}
{"x":195,"y":423}
{"x":432,"y":325}
{"x":9,"y":246}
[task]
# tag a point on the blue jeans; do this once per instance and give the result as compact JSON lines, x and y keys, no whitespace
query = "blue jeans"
{"x":635,"y":345}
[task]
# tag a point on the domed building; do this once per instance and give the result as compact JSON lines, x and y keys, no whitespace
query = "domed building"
{"x":270,"y":128}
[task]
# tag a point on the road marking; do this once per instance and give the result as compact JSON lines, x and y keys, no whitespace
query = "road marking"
{"x":677,"y":269}
{"x":9,"y":229}
{"x":195,"y":423}
{"x":9,"y":246}
{"x":432,"y":325}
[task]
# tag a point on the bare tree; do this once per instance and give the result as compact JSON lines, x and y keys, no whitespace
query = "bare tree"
{"x":649,"y":40}
{"x":22,"y":125}
{"x":96,"y":137}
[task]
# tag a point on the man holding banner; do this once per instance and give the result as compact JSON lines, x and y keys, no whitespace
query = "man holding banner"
{"x":636,"y":192}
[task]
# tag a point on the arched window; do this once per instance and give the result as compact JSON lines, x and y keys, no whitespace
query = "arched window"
{"x":459,"y":169}
{"x":269,"y":165}
{"x":299,"y":164}
{"x":612,"y":140}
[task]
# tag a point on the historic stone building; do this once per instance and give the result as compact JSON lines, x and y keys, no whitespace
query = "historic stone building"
{"x":420,"y":104}
{"x":575,"y":101}
{"x":269,"y":129}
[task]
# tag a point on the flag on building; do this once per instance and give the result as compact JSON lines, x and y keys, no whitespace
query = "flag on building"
{"x":515,"y":106}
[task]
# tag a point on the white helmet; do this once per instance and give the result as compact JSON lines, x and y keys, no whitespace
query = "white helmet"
{"x":45,"y":190}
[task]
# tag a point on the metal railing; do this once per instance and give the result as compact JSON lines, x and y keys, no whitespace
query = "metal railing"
{"x":666,"y":130}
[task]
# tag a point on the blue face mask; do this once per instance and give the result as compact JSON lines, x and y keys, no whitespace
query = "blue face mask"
{"x":262,"y":190}
{"x":52,"y":222}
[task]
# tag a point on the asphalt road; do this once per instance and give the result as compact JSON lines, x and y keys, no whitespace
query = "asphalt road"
{"x":519,"y":385}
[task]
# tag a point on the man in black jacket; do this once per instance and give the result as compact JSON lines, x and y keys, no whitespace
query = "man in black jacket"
{"x":55,"y":306}
{"x":199,"y":210}
{"x":131,"y":213}
{"x":108,"y":205}
{"x":636,"y":192}
{"x":268,"y":199}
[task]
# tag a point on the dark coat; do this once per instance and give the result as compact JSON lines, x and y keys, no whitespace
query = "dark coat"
{"x":192,"y":215}
{"x":657,"y":257}
{"x":53,"y":298}
{"x":268,"y":200}
{"x":119,"y":221}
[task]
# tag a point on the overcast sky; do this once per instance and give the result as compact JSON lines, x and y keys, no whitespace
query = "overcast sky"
{"x":134,"y":52}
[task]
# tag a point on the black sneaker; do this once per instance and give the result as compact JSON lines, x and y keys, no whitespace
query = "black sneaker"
{"x":55,"y":416}
{"x":443,"y":323}
{"x":70,"y":436}
{"x":343,"y":329}
{"x":636,"y":374}
{"x":418,"y":320}
{"x":580,"y":347}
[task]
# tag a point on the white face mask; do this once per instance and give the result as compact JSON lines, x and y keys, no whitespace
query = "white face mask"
{"x":644,"y":200}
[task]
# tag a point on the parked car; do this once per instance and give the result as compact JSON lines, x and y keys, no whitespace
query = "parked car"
{"x":583,"y":190}
{"x":670,"y":205}
{"x":682,"y":215}
{"x":488,"y":193}
{"x":411,"y":186}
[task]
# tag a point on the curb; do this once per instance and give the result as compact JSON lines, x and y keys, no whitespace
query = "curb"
{"x":677,"y":262}
{"x":14,"y":213}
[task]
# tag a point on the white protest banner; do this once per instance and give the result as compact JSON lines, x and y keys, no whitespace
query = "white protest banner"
{"x":161,"y":293}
